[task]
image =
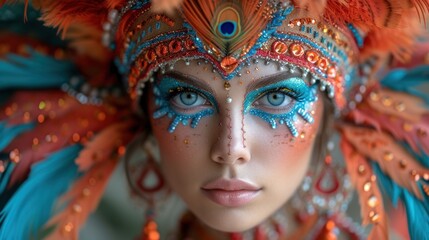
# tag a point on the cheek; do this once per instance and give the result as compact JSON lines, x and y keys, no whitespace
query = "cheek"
{"x":184,"y":152}
{"x":285,"y":157}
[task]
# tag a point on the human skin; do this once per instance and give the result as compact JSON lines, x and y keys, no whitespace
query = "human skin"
{"x":233,"y":144}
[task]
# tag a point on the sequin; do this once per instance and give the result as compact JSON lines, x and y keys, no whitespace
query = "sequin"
{"x":312,"y":56}
{"x":279,"y":47}
{"x":323,"y":64}
{"x":297,"y":50}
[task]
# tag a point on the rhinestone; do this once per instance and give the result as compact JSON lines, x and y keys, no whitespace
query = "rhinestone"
{"x":386,"y":101}
{"x":388,"y":156}
{"x":372,"y":201}
{"x":361,"y":169}
{"x":367,"y":186}
{"x":297,"y":50}
{"x":400,"y":107}
{"x":227,"y":86}
{"x":374,"y":96}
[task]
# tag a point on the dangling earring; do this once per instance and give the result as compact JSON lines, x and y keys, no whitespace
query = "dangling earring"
{"x":146,"y":181}
{"x":326,"y":191}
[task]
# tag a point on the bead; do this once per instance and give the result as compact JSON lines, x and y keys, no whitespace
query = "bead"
{"x":77,"y":208}
{"x":386,"y":101}
{"x":388,"y":156}
{"x":375,"y":218}
{"x":361,"y":169}
{"x":407,"y":127}
{"x":400,"y":107}
{"x":367,"y":186}
{"x":374,"y":96}
{"x":86,"y":192}
{"x":228,"y":100}
{"x":402,"y":164}
{"x":68,"y":227}
{"x":372,"y":201}
{"x":227,"y":86}
{"x":14,"y":155}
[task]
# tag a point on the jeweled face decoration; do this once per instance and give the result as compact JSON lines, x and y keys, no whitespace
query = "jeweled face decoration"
{"x":234,"y":152}
{"x":235,"y":98}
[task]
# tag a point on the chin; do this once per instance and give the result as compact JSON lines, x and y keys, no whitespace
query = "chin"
{"x":232,"y":220}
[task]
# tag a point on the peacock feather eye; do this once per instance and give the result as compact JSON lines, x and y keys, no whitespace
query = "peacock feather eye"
{"x":228,"y":23}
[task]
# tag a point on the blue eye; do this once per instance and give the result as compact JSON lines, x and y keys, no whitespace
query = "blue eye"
{"x":274,"y":99}
{"x":188,"y":99}
{"x":281,"y":103}
{"x":183,"y":103}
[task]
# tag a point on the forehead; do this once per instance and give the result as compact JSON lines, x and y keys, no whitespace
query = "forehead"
{"x":254,"y":72}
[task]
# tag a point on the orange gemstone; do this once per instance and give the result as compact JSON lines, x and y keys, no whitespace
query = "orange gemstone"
{"x":189,"y":44}
{"x":161,"y":50}
{"x":175,"y":46}
{"x":228,"y":64}
{"x":297,"y":50}
{"x":150,"y":56}
{"x":332,"y":72}
{"x":312,"y":56}
{"x":323,"y":64}
{"x":279,"y":47}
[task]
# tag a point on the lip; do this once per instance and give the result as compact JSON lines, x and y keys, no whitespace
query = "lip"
{"x":231,"y":192}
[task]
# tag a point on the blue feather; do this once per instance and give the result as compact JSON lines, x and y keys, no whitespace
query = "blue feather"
{"x":8,"y":133}
{"x":4,"y":177}
{"x":417,"y":210}
{"x":409,"y":81}
{"x":12,"y":20}
{"x":32,"y":204}
{"x":36,"y":71}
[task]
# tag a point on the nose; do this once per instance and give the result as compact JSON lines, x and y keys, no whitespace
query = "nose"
{"x":230,"y":147}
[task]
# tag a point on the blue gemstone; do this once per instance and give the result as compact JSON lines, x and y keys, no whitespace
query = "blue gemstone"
{"x":228,"y":28}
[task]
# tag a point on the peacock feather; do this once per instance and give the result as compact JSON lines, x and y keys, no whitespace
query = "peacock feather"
{"x":228,"y":28}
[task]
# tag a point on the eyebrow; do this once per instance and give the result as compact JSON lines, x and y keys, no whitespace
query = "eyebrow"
{"x":190,"y":80}
{"x":268,"y":80}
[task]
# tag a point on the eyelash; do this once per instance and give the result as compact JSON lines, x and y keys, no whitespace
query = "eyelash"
{"x":299,"y":99}
{"x":297,"y":105}
{"x":166,"y":107}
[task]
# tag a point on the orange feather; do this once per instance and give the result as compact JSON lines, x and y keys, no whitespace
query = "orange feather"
{"x":392,"y":158}
{"x":370,"y":197}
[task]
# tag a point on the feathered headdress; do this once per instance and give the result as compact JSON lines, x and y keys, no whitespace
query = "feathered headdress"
{"x":44,"y":147}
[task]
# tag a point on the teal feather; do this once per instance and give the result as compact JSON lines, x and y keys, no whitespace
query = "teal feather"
{"x":8,"y":133}
{"x":5,"y":176}
{"x":409,"y":81}
{"x":417,"y":210}
{"x":32,"y":204}
{"x":12,"y":20}
{"x":36,"y":71}
{"x":421,"y":157}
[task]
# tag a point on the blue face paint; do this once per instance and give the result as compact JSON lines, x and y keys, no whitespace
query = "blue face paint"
{"x":281,"y":102}
{"x":182,"y":102}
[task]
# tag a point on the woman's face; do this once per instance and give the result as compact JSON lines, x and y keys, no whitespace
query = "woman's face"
{"x":234,"y":151}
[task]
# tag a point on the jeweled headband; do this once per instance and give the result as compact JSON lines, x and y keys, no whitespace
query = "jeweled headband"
{"x":230,"y":35}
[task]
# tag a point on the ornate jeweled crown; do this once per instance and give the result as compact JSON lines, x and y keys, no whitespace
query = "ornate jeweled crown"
{"x":231,"y":34}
